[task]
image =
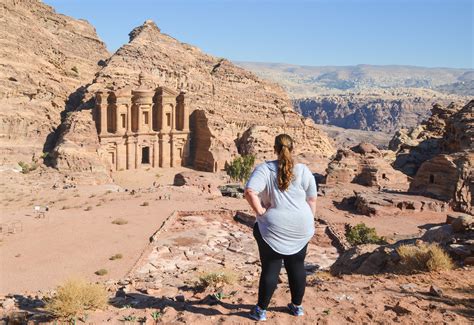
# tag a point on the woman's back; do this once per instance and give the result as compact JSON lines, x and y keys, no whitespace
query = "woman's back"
{"x":288,"y":223}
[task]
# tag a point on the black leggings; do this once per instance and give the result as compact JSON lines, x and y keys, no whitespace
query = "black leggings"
{"x":271,"y":266}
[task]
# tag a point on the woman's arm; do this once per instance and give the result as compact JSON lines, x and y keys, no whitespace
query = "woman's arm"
{"x":254,"y":201}
{"x":312,"y":204}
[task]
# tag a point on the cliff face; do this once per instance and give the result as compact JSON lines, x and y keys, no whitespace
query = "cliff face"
{"x":440,"y":155}
{"x":366,"y":97}
{"x":225,"y":100}
{"x":45,"y":58}
{"x":385,"y":113}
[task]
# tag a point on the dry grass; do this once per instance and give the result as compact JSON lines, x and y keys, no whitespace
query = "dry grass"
{"x":119,"y":221}
{"x":424,"y":257}
{"x":75,"y":297}
{"x":319,"y":278}
{"x":116,"y":257}
{"x":216,"y":279}
{"x":101,"y":272}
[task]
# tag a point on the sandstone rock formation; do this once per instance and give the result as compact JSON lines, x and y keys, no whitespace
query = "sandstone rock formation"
{"x":46,"y":59}
{"x":78,"y":153}
{"x":225,"y":100}
{"x":423,"y":142}
{"x":449,"y":178}
{"x":444,"y":158}
{"x":364,"y":164}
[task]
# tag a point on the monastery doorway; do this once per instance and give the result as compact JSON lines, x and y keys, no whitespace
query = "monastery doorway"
{"x":145,"y":155}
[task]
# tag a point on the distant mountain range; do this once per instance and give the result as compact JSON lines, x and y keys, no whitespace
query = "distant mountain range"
{"x":307,"y":81}
{"x":368,"y":97}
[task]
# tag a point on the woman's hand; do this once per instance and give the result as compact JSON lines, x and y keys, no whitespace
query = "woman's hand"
{"x":254,"y":201}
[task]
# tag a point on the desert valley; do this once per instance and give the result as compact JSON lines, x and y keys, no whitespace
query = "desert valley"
{"x":121,"y":176}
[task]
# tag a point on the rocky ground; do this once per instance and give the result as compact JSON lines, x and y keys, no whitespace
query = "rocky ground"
{"x":193,"y":231}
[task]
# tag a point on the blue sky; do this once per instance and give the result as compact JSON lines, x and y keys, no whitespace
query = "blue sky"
{"x":432,"y":33}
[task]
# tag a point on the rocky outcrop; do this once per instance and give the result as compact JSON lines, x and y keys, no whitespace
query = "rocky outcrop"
{"x":46,"y":58}
{"x":449,"y":178}
{"x":442,"y":156}
{"x":225,"y":100}
{"x":365,"y":259}
{"x":364,"y":164}
{"x":77,"y":152}
{"x":379,"y":203}
{"x":201,"y":182}
{"x":374,"y":259}
{"x":416,"y":145}
{"x":459,"y":134}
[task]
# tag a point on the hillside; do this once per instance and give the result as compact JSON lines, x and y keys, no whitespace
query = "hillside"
{"x":45,"y":58}
{"x":229,"y":105}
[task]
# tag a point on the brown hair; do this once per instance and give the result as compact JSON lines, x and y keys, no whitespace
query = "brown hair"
{"x":284,"y":147}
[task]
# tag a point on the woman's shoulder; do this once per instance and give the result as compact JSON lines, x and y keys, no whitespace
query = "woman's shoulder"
{"x":301,"y":166}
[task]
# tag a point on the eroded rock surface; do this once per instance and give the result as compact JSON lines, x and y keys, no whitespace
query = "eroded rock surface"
{"x":226,"y":100}
{"x":364,"y":164}
{"x":443,"y":160}
{"x":46,"y":59}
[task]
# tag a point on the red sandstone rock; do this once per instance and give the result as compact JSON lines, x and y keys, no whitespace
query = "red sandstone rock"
{"x":364,"y":165}
{"x":225,"y":100}
{"x":46,"y":58}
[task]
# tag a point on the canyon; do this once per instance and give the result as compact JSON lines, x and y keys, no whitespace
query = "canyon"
{"x":366,"y":97}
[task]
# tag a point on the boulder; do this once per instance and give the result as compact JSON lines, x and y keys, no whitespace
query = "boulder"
{"x":364,"y":259}
{"x":204,"y":183}
{"x":439,"y":234}
{"x":462,"y":223}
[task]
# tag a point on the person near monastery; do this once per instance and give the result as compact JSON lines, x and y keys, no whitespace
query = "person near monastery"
{"x":283,"y":195}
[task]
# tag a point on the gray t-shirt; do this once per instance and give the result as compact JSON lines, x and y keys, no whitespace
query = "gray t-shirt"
{"x":288,"y":224}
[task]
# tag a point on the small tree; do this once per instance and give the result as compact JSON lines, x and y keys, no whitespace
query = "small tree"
{"x":240,"y":168}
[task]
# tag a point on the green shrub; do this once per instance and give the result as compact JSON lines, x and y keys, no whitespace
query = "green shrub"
{"x":361,"y":234}
{"x":240,"y":168}
{"x":75,"y":297}
{"x":422,"y":258}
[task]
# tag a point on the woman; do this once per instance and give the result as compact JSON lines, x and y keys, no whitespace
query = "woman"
{"x":283,"y":196}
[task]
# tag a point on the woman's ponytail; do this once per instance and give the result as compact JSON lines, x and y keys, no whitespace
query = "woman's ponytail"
{"x":284,"y":147}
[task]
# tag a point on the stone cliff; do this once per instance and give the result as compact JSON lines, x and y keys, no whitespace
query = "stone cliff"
{"x":46,"y":59}
{"x":440,"y":155}
{"x":381,"y":112}
{"x":227,"y":102}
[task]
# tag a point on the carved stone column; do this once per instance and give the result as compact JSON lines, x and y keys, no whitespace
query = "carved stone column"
{"x":155,"y":154}
{"x":130,"y":154}
{"x":136,"y":155}
{"x":129,"y":119}
{"x":118,"y":156}
{"x":118,"y":124}
{"x":101,"y":110}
